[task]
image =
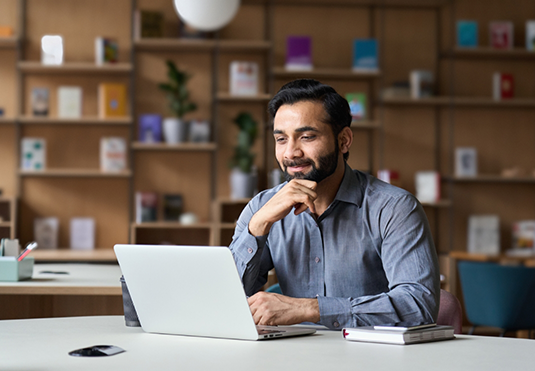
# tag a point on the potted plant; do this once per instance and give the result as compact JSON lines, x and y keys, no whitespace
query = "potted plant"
{"x":174,"y":128}
{"x":243,"y":177}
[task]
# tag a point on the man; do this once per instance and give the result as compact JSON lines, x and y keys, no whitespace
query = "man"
{"x":349,"y":250}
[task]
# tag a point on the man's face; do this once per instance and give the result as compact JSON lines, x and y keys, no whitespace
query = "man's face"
{"x":305,"y":146}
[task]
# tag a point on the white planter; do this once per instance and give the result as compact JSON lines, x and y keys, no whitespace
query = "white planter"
{"x":242,"y":185}
{"x":175,"y":130}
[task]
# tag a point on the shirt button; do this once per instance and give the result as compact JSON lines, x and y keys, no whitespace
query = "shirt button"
{"x":336,"y":324}
{"x":249,"y":250}
{"x":317,"y":260}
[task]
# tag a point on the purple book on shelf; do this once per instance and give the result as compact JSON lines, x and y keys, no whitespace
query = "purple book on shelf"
{"x":299,"y":53}
{"x":150,"y":128}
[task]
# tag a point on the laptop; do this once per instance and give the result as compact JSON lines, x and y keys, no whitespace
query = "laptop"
{"x":192,"y":290}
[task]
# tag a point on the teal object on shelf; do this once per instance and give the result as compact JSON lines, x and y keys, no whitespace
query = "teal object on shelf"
{"x":12,"y":270}
{"x":498,"y":295}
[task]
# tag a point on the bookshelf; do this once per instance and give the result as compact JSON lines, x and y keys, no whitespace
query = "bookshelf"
{"x":401,"y":133}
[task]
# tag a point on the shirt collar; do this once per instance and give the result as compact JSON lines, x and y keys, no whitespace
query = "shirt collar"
{"x":352,"y":187}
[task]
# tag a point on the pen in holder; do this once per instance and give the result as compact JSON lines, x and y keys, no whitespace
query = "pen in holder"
{"x":130,"y":316}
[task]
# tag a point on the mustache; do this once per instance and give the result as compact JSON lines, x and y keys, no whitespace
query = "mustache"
{"x":296,"y":163}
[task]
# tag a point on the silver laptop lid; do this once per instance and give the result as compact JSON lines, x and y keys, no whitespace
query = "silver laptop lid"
{"x":187,"y":290}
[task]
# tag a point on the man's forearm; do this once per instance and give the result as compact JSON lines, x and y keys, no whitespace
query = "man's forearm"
{"x":258,"y":226}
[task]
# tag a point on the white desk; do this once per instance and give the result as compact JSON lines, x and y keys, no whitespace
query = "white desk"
{"x":43,"y":344}
{"x":68,"y":279}
{"x":87,"y":289}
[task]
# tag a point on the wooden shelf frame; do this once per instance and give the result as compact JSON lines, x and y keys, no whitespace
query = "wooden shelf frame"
{"x":461,"y":102}
{"x":10,"y":42}
{"x":171,"y":225}
{"x":489,"y":53}
{"x":7,"y":120}
{"x":74,"y":173}
{"x":225,"y":97}
{"x":439,"y":204}
{"x":88,"y":120}
{"x":75,"y":68}
{"x":491,"y":178}
{"x":366,"y":125}
{"x":186,"y":147}
{"x":201,"y":45}
{"x":326,"y":73}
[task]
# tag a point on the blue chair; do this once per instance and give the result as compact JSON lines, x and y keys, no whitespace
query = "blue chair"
{"x":498,"y":295}
{"x":276,"y":288}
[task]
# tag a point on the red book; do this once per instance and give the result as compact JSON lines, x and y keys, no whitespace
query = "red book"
{"x":501,"y":35}
{"x":503,"y":86}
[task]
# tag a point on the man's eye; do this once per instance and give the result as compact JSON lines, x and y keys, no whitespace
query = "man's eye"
{"x":308,"y":137}
{"x":280,"y":140}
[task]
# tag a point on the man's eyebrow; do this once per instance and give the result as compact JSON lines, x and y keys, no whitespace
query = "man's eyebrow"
{"x":298,"y":130}
{"x":306,"y":128}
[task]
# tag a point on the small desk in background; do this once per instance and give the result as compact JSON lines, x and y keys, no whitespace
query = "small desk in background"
{"x":60,"y":290}
{"x":43,"y":344}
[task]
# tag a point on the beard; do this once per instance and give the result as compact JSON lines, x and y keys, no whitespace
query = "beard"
{"x":325,"y":167}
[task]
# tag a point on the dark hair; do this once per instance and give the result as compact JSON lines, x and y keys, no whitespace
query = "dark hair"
{"x":336,"y":107}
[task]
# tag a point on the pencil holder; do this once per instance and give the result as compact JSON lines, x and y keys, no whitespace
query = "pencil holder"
{"x":12,"y":270}
{"x":130,"y":315}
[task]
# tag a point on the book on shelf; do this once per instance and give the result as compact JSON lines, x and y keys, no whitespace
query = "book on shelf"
{"x":243,"y":78}
{"x":503,"y":85}
{"x":148,"y":23}
{"x":52,"y":50}
{"x":45,"y":232}
{"x":6,"y":31}
{"x":40,"y":101}
{"x":523,"y":238}
{"x":400,"y":336}
{"x":111,"y":100}
{"x":299,"y":53}
{"x":82,"y":233}
{"x":467,"y":34}
{"x":112,"y":154}
{"x":172,"y":207}
{"x":389,"y":176}
{"x":530,"y":35}
{"x":199,"y":131}
{"x":33,"y":154}
{"x":106,"y":50}
{"x":422,"y":83}
{"x":150,"y":128}
{"x":365,"y":55}
{"x":357,"y":105}
{"x":69,"y":102}
{"x":465,"y":162}
{"x":484,"y":234}
{"x":427,"y":186}
{"x":501,"y":34}
{"x":146,"y":207}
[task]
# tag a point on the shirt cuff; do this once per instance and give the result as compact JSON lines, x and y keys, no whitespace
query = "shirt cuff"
{"x":249,"y":246}
{"x":335,"y":313}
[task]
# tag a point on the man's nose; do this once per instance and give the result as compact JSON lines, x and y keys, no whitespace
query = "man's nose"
{"x":293,"y":149}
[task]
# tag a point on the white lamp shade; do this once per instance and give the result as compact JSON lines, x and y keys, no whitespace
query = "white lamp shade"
{"x":206,"y":15}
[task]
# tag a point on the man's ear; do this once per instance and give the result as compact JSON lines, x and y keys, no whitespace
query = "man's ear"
{"x":345,"y":139}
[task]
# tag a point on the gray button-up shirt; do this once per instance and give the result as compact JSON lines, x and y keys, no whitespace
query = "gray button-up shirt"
{"x":369,"y":258}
